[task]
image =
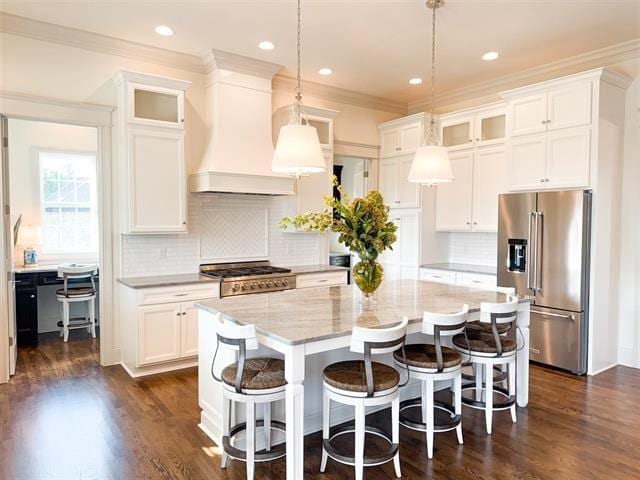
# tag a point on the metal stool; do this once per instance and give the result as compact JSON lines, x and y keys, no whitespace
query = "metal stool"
{"x":432,"y":363}
{"x":249,"y":381}
{"x":363,"y":383}
{"x":486,"y":351}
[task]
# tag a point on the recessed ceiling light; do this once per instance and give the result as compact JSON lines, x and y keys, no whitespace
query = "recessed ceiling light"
{"x":415,"y":81}
{"x":325,"y":71}
{"x":266,"y":45}
{"x":164,"y":30}
{"x":490,"y":56}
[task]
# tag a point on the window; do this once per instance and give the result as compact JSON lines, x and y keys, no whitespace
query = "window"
{"x":68,"y":202}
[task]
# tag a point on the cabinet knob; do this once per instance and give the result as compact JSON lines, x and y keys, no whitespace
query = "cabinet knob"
{"x":546,"y":179}
{"x":543,"y":122}
{"x":542,"y":180}
{"x":548,"y":121}
{"x":184,"y":223}
{"x":477,"y":139}
{"x":182,"y":120}
{"x":468,"y":223}
{"x":32,"y":296}
{"x":475,"y":223}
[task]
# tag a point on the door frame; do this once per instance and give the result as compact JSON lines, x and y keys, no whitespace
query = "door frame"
{"x":27,"y":107}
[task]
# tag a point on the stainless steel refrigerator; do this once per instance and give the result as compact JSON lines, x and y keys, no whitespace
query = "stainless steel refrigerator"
{"x":543,"y":250}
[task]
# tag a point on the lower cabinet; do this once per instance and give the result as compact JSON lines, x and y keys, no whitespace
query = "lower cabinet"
{"x":464,"y":279}
{"x":159,"y":327}
{"x":322,"y":279}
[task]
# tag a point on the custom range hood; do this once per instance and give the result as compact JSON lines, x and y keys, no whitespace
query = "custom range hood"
{"x":239,"y":148}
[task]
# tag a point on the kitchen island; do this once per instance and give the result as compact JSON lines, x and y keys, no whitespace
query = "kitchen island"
{"x":317,"y":323}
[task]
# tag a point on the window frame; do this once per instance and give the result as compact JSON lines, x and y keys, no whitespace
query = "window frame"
{"x":93,"y":206}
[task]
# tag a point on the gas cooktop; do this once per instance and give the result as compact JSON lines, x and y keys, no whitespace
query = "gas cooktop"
{"x":249,"y":277}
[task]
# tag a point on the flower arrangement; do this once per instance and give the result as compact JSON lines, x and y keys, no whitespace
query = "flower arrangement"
{"x":363,"y":227}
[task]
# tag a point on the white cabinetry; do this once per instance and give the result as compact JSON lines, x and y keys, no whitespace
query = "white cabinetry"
{"x":473,"y":128}
{"x":550,"y":125}
{"x":151,"y":164}
{"x":159,"y":331}
{"x":453,"y":200}
{"x":401,"y":138}
{"x":322,"y":279}
{"x":395,"y":188}
{"x":464,"y":279}
{"x":404,"y":260}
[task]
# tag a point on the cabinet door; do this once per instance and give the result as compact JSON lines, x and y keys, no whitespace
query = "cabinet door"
{"x":457,"y":134}
{"x":189,"y":330}
{"x":388,"y":181}
{"x":156,"y":106}
{"x":526,"y":162}
{"x":26,"y":316}
{"x":157,"y":184}
{"x":568,"y":157}
{"x":389,"y":142}
{"x":408,"y":245}
{"x":490,"y":128}
{"x":410,"y":137}
{"x":453,"y":200}
{"x":489,"y":181}
{"x":158,"y":333}
{"x":569,"y":106}
{"x":390,"y":258}
{"x":408,"y":193}
{"x":528,"y":115}
{"x":311,"y":189}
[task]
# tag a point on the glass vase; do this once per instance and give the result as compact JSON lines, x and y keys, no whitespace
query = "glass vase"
{"x":368,"y":275}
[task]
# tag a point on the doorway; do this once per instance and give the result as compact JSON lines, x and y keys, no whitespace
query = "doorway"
{"x":52,"y":220}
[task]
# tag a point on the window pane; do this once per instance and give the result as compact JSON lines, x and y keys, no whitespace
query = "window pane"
{"x":67,"y":192}
{"x":50,"y":237}
{"x":84,"y":192}
{"x":50,"y":191}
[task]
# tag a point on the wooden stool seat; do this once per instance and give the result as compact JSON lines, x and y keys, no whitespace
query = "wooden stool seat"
{"x":483,"y":343}
{"x":350,"y":376}
{"x":258,"y":374}
{"x":476,"y":328}
{"x":424,"y":356}
{"x":76,"y":292}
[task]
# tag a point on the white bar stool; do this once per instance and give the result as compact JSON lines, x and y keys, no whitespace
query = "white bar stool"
{"x":68,"y":295}
{"x":431,"y":363}
{"x":363,"y":383}
{"x":486,"y":350}
{"x":250,"y":381}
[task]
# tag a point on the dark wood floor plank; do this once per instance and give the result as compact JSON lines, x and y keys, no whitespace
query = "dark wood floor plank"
{"x":65,"y":417}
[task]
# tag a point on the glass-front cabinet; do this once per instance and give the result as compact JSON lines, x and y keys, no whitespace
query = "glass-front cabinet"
{"x":159,"y":106}
{"x":473,"y":128}
{"x":490,"y":127}
{"x":457,"y":134}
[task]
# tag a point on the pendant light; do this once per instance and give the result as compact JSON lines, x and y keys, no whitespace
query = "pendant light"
{"x":431,"y":165}
{"x":298,"y":150}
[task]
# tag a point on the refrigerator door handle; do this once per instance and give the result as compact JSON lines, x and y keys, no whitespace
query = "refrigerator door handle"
{"x":539,"y":243}
{"x":530,"y":265}
{"x":556,"y":315}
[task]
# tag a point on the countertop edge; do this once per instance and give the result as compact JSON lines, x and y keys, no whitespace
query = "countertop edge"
{"x":462,"y":268}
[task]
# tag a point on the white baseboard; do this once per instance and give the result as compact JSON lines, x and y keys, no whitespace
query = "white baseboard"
{"x":161,"y":368}
{"x":628,"y":357}
{"x":603,"y":369}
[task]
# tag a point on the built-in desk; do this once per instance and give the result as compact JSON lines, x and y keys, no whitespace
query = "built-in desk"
{"x":27,"y":281}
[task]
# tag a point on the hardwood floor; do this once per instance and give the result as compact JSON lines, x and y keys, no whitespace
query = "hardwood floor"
{"x":65,"y":417}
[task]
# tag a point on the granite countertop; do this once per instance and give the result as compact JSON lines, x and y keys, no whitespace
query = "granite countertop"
{"x":462,"y":267}
{"x":310,"y":314}
{"x":302,"y":269}
{"x":166,"y":280}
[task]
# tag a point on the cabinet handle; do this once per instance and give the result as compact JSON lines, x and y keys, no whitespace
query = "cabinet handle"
{"x":544,"y":122}
{"x":477,"y":139}
{"x":542,"y":180}
{"x":468,"y":223}
{"x":180,"y":294}
{"x":475,"y":223}
{"x":184,"y":223}
{"x":548,"y":121}
{"x":546,"y":179}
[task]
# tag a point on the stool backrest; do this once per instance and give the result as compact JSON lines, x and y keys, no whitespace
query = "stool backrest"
{"x":377,"y":341}
{"x":444,"y":324}
{"x":74,"y":271}
{"x":231,"y":336}
{"x":499,"y":314}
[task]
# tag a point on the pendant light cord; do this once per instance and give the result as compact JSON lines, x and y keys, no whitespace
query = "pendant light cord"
{"x":298,"y":105}
{"x":432,"y":122}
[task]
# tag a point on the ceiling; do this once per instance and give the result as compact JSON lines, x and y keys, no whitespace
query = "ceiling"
{"x":373,"y":46}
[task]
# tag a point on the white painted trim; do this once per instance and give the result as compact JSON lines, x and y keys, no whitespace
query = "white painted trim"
{"x":398,"y":122}
{"x":51,"y":110}
{"x":628,"y":357}
{"x":72,"y":37}
{"x":603,"y":369}
{"x":150,"y":81}
{"x":218,"y":59}
{"x":602,"y":57}
{"x":5,"y":315}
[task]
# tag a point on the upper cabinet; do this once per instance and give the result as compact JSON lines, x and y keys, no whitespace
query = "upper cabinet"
{"x":560,"y":107}
{"x":150,"y":141}
{"x":394,"y":186}
{"x":473,"y":128}
{"x":555,"y":129}
{"x":401,"y":136}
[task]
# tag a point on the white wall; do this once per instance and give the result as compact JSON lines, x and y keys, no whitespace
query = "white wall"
{"x":629,"y":284}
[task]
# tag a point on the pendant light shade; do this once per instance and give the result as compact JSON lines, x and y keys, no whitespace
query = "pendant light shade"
{"x":431,"y":166}
{"x":298,"y":151}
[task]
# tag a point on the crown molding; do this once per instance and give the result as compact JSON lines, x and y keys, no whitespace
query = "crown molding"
{"x":71,"y":37}
{"x":602,"y":57}
{"x":218,"y":59}
{"x":341,"y":95}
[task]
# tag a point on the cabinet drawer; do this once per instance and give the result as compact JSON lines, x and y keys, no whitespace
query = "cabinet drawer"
{"x":477,"y":280}
{"x":323,"y":279}
{"x":198,"y":291}
{"x":438,"y":276}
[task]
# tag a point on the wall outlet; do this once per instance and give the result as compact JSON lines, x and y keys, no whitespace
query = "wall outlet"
{"x":162,"y":253}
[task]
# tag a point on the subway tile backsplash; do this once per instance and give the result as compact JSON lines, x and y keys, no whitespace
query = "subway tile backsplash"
{"x":473,"y":248}
{"x":222,"y":228}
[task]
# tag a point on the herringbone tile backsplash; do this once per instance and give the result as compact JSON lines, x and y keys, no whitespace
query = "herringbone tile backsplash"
{"x":221,"y":228}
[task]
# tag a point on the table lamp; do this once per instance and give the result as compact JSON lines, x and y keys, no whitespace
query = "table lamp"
{"x":29,"y":238}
